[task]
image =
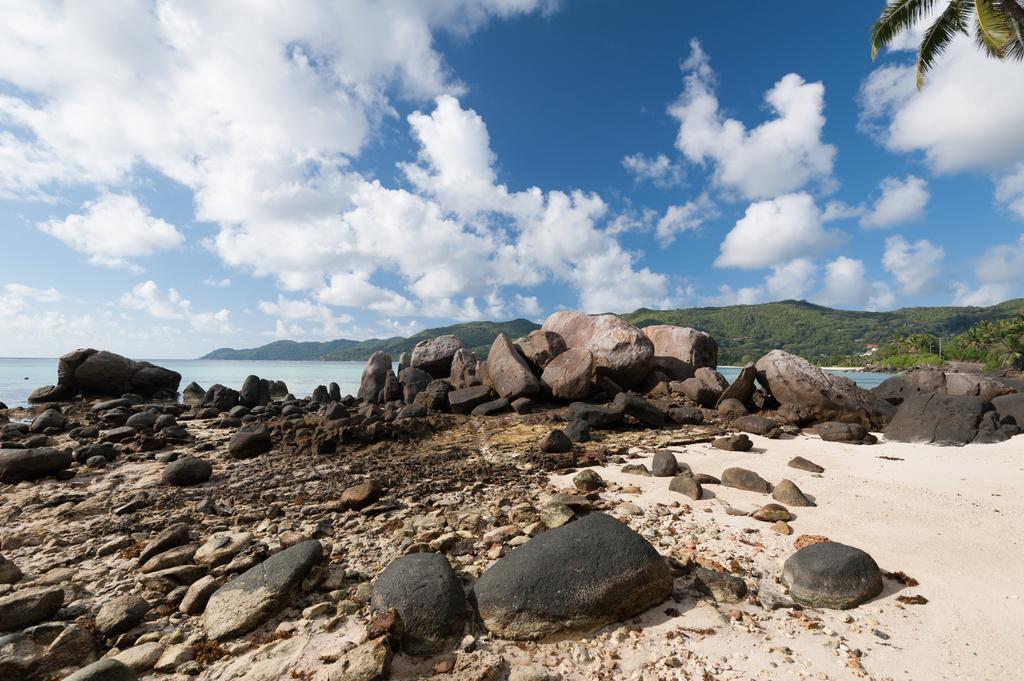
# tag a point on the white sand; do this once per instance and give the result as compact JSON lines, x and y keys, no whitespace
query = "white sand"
{"x":949,"y":517}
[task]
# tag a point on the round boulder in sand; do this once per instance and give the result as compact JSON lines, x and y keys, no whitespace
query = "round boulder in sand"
{"x":831,"y":575}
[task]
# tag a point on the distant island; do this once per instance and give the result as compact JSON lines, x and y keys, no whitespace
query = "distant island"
{"x":744,"y":332}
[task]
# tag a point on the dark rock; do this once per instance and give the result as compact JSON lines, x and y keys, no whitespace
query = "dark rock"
{"x":852,"y":433}
{"x":741,"y":478}
{"x":428,"y":596}
{"x":524,"y":405}
{"x":511,"y":377}
{"x":98,"y":372}
{"x":435,"y":355}
{"x":686,"y":484}
{"x":249,"y":600}
{"x":435,"y":395}
{"x":805,"y":465}
{"x":731,"y":408}
{"x":636,"y":469}
{"x":696,"y":391}
{"x":221,"y":397}
{"x":690,"y":416}
{"x":758,"y":425}
{"x":119,"y":434}
{"x":570,"y":375}
{"x":52,"y":393}
{"x":734,"y":443}
{"x":255,"y":392}
{"x":578,"y":430}
{"x":374,"y":377}
{"x":18,"y":465}
{"x":412,"y":411}
{"x":831,"y":575}
{"x":596,"y":416}
{"x":28,"y":607}
{"x":249,"y":441}
{"x":107,"y":669}
{"x":588,"y":480}
{"x":639,"y":408}
{"x":556,"y":442}
{"x":464,"y":400}
{"x":1010,"y":406}
{"x":121,"y":614}
{"x":144,"y":420}
{"x":9,"y":572}
{"x":772,"y":513}
{"x":491,"y":408}
{"x":937,"y":419}
{"x":413,"y":381}
{"x":664,"y":465}
{"x":572,"y":579}
{"x":788,"y":493}
{"x":812,"y":395}
{"x":187,"y":471}
{"x":742,"y":389}
{"x":51,"y":418}
{"x":931,"y":381}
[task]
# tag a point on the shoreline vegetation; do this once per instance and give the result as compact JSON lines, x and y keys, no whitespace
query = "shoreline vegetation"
{"x":825,"y":336}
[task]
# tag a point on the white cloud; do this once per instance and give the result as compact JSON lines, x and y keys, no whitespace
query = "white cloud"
{"x":901,"y":201}
{"x":113,"y":229}
{"x":659,"y":170}
{"x":791,"y":280}
{"x":528,"y":306}
{"x":838,"y":210}
{"x":775,"y":232}
{"x":780,"y":155}
{"x":1010,"y":191}
{"x":148,"y":297}
{"x":844,"y":282}
{"x":683,"y":218}
{"x":1002,"y":264}
{"x":220,"y":283}
{"x":17,"y":296}
{"x":981,"y":296}
{"x":915,"y":266}
{"x":747,"y":295}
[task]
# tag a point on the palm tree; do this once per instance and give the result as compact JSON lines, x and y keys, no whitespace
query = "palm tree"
{"x":1009,"y":351}
{"x":998,"y":28}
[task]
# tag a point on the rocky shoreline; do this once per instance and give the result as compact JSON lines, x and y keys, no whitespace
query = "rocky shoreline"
{"x":545,"y":514}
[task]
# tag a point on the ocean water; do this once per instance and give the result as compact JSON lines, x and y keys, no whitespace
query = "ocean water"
{"x":19,"y":377}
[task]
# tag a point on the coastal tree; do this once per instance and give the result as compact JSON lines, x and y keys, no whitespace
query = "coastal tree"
{"x":998,"y":27}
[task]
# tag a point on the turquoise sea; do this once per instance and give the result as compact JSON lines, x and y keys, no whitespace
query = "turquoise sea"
{"x":20,"y":376}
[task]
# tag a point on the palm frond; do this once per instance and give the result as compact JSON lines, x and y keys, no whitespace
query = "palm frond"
{"x":953,"y":20}
{"x":992,"y":32}
{"x":897,"y":17}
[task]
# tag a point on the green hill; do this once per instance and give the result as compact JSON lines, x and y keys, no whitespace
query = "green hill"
{"x":744,"y":332}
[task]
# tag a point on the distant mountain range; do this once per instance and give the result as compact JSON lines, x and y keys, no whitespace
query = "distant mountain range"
{"x":743,"y":332}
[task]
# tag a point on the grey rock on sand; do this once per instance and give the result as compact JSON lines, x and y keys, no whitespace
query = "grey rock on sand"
{"x":572,"y":579}
{"x":19,"y":465}
{"x":428,"y":596}
{"x":741,"y":478}
{"x":190,"y":470}
{"x":247,"y":601}
{"x":831,"y":575}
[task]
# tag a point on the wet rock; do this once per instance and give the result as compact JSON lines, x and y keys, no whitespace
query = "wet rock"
{"x":686,"y":415}
{"x":250,"y":441}
{"x":810,"y":394}
{"x":664,"y":465}
{"x":741,"y":478}
{"x":686,"y":484}
{"x":465,"y":400}
{"x":734,"y":443}
{"x":556,"y":442}
{"x":805,"y":465}
{"x":428,"y":596}
{"x":187,"y":471}
{"x":511,"y":376}
{"x":249,"y":600}
{"x":620,"y":351}
{"x":572,"y":579}
{"x":121,"y":614}
{"x":28,"y":607}
{"x":540,"y":347}
{"x":595,"y":415}
{"x":19,"y":465}
{"x":758,"y":425}
{"x":106,"y":669}
{"x":788,"y":493}
{"x":435,"y":355}
{"x":831,"y":575}
{"x":570,"y":375}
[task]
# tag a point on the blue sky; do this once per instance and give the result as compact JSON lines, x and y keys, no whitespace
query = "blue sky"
{"x":176,"y":176}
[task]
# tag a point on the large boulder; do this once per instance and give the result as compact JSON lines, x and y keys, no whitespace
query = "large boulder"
{"x":510,"y":375}
{"x":52,"y":393}
{"x":742,"y":389}
{"x":98,"y":372}
{"x":249,"y":600}
{"x":572,"y":579}
{"x":249,"y":441}
{"x":930,"y":381}
{"x":696,"y":348}
{"x":570,"y":375}
{"x":255,"y":391}
{"x":540,"y":347}
{"x":943,"y":420}
{"x":435,"y":355}
{"x":809,"y":395}
{"x":831,"y":575}
{"x":706,"y":387}
{"x":465,"y":371}
{"x":621,"y":351}
{"x":18,"y":465}
{"x":413,"y":382}
{"x":374,"y":376}
{"x":1011,"y":406}
{"x":428,"y":596}
{"x":465,"y":400}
